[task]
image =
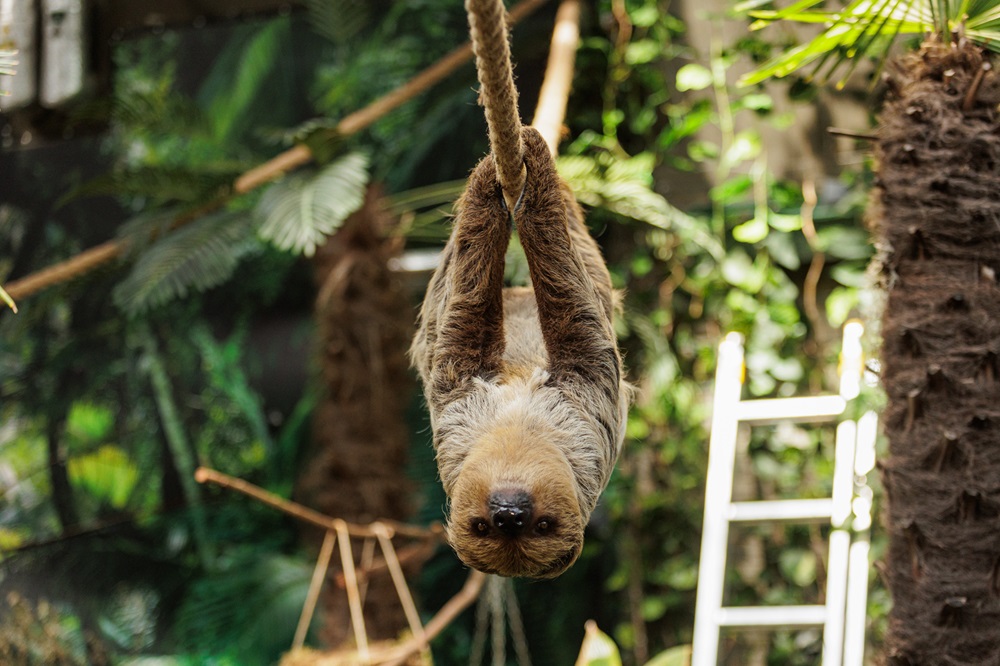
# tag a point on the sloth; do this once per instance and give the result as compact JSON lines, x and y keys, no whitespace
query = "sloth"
{"x":524,"y":385}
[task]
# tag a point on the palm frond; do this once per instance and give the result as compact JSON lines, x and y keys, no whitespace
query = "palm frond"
{"x":624,"y":187}
{"x":299,"y":212}
{"x":242,"y":74}
{"x":197,"y":257}
{"x":139,"y":232}
{"x":159,"y":185}
{"x":7,"y":300}
{"x":865,"y":27}
{"x":422,"y":210}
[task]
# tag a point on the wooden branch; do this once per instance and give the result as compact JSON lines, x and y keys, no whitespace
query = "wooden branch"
{"x":307,"y":515}
{"x":273,"y":168}
{"x":315,"y":585}
{"x":554,"y":95}
{"x":410,"y":553}
{"x":458,"y":603}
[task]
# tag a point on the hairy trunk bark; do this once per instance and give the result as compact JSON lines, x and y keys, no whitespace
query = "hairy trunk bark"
{"x":937,"y":208}
{"x":356,"y":470}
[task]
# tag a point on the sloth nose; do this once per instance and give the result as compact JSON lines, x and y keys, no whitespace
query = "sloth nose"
{"x":510,"y":511}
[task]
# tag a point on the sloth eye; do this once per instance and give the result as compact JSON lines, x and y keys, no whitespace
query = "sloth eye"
{"x":543,"y":525}
{"x":480,"y":526}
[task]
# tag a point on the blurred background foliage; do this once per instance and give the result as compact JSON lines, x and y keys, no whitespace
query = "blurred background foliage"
{"x":196,"y":349}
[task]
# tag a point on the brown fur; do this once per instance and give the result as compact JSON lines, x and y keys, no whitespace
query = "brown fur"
{"x":536,"y":406}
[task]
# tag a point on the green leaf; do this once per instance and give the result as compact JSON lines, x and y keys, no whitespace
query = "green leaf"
{"x":298,"y":213}
{"x":782,"y":249}
{"x":88,"y":422}
{"x":642,"y":51}
{"x":108,"y":474}
{"x":745,"y":146}
{"x":840,"y":303}
{"x":598,"y":649}
{"x":676,"y":656}
{"x":693,"y":77}
{"x":798,"y":565}
{"x":785,"y":223}
{"x":751,"y":231}
{"x":845,"y":242}
{"x":196,"y":257}
{"x":243,"y":77}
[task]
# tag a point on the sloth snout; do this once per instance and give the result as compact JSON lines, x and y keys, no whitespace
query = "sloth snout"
{"x":510,"y":511}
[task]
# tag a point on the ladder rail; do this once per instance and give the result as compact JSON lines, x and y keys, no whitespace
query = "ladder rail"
{"x":718,"y":495}
{"x":842,"y":616}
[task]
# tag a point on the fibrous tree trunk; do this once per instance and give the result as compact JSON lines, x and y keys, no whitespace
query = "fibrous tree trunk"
{"x":356,"y":467}
{"x":937,"y":211}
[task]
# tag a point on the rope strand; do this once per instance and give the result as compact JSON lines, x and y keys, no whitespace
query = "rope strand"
{"x":497,"y":93}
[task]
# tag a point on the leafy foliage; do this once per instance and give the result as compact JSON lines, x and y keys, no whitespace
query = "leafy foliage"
{"x":271,"y":589}
{"x":74,"y":374}
{"x":199,"y":256}
{"x":866,"y":27}
{"x":298,"y":213}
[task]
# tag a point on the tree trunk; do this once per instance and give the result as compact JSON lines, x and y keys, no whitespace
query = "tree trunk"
{"x":62,"y":490}
{"x":356,"y":470}
{"x":937,"y":207}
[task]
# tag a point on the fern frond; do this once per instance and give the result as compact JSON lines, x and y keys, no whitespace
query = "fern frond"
{"x":139,"y":232}
{"x":338,"y":21}
{"x":154,"y":108}
{"x":197,"y":257}
{"x":299,"y":212}
{"x":159,"y":185}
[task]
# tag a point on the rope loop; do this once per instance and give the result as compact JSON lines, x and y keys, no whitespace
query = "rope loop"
{"x":497,"y":93}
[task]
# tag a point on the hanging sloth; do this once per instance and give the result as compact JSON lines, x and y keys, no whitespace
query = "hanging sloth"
{"x":525,"y":384}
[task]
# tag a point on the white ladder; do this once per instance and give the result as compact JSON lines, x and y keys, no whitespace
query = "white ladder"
{"x":848,"y":511}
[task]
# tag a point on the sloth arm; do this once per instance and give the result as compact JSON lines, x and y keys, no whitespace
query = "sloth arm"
{"x":571,"y":283}
{"x":470,"y":338}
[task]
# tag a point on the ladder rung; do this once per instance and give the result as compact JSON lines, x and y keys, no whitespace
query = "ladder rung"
{"x":782,"y":511}
{"x":792,"y":617}
{"x":775,"y":410}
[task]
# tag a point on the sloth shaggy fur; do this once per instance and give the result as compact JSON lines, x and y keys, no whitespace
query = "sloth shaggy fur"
{"x":524,"y":385}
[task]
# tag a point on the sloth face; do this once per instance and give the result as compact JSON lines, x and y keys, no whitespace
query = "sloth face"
{"x":514,"y":508}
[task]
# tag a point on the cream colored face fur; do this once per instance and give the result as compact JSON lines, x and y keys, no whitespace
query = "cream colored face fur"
{"x":519,"y":437}
{"x":515,"y":460}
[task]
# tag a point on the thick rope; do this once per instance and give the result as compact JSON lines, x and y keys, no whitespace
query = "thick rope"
{"x":497,"y":93}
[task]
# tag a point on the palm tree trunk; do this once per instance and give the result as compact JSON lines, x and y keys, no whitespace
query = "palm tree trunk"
{"x":937,"y":209}
{"x":356,"y":470}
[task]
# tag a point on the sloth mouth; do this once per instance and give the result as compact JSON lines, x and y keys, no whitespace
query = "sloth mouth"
{"x":560,"y":564}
